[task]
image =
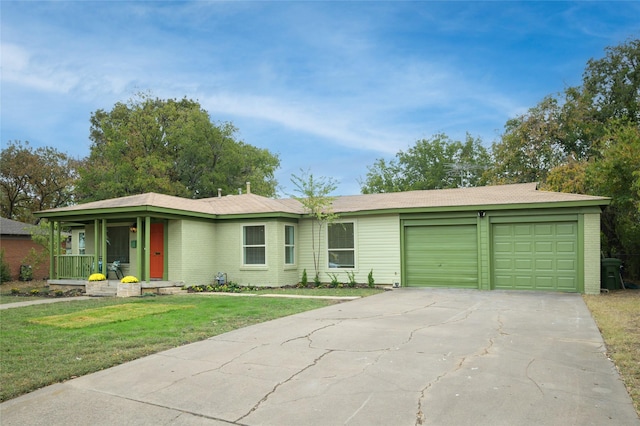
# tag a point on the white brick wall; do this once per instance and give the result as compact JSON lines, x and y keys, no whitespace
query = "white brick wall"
{"x":592,"y":253}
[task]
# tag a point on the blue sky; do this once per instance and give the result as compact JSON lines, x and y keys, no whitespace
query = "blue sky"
{"x":328,"y":86}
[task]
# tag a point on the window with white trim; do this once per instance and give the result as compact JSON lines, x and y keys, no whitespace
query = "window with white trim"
{"x":341,"y":245}
{"x":289,"y":245}
{"x":254,"y":246}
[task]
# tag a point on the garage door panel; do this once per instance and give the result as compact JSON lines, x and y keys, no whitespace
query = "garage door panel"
{"x":539,"y":256}
{"x":522,"y":246}
{"x":566,"y":247}
{"x":521,"y":230}
{"x":543,"y":229}
{"x":503,"y":247}
{"x":544,"y":247}
{"x":568,"y":229}
{"x":441,"y":256}
{"x":566,"y":265}
{"x":526,"y":264}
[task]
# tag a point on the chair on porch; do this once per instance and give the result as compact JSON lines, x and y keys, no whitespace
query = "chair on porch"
{"x":115,"y":267}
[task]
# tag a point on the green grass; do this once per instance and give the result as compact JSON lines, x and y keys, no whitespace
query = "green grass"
{"x":35,"y":355}
{"x":106,"y":315}
{"x":617,"y":315}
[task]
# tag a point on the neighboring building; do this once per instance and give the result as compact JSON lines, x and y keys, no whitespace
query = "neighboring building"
{"x":492,"y":237}
{"x":15,"y":240}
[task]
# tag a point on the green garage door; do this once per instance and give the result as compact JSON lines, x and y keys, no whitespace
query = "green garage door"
{"x":441,"y":256}
{"x":536,"y":256}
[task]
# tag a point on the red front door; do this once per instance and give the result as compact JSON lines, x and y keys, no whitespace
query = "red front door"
{"x":156,"y":264}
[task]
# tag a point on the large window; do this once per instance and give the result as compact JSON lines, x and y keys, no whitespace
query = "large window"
{"x":340,"y":240}
{"x":118,"y":244}
{"x":253,"y":245}
{"x":289,"y":245}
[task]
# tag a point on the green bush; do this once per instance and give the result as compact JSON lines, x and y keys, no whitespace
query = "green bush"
{"x":334,"y":280}
{"x":305,"y":280}
{"x":5,"y":270}
{"x":352,"y":278}
{"x":370,"y":281}
{"x":26,"y":273}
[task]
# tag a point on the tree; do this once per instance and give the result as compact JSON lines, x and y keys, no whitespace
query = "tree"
{"x":314,"y":197}
{"x":435,"y":163}
{"x":599,"y":135}
{"x":172,"y":147}
{"x":34,"y":179}
{"x":530,"y":146}
{"x":612,"y":83}
{"x":616,"y":174}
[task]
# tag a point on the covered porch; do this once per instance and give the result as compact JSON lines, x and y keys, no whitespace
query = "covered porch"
{"x":114,"y":246}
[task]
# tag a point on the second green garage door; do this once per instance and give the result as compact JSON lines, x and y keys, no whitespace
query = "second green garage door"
{"x":535,"y":256}
{"x":441,"y":256}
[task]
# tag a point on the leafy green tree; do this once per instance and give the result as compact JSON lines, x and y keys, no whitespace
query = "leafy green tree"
{"x":314,"y":195}
{"x":616,"y":174}
{"x":435,"y":163}
{"x":599,"y":136}
{"x":172,"y":147}
{"x":34,"y":179}
{"x":612,"y":84}
{"x":530,"y":146}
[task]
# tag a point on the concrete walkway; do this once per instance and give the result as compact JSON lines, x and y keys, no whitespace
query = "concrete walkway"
{"x":41,"y":302}
{"x":406,"y":357}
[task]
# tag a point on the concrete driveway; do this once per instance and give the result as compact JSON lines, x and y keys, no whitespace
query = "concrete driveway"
{"x":405,"y":357}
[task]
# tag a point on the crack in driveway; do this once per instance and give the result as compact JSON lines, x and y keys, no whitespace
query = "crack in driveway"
{"x":420,"y":416}
{"x":275,"y":388}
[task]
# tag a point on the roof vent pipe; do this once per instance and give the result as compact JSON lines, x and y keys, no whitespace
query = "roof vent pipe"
{"x":248,"y":187}
{"x":219,"y":192}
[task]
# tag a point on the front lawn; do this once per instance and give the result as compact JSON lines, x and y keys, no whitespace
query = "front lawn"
{"x":45,"y":344}
{"x":617,"y":315}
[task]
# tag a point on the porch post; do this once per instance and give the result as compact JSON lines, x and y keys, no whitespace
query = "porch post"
{"x":147,"y":248}
{"x":52,"y":255}
{"x":58,"y":243}
{"x":96,"y":245}
{"x":139,"y":259}
{"x":105,"y":271}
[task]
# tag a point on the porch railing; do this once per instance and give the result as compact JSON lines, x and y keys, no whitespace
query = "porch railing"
{"x":74,"y":267}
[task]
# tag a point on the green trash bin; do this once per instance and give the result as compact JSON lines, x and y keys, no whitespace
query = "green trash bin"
{"x":610,"y":274}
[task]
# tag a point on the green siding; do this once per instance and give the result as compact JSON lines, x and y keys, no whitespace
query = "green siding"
{"x":536,"y":256}
{"x":441,"y":256}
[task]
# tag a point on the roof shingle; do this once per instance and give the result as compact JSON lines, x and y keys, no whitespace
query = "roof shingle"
{"x":523,"y":193}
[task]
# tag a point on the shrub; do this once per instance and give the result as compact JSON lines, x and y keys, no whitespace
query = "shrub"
{"x":335,"y":282}
{"x":26,"y":273}
{"x":316,"y":280}
{"x":352,"y":278}
{"x":58,"y":293}
{"x":15,"y":290}
{"x":304,"y":281}
{"x":5,"y":270}
{"x":370,"y":281}
{"x":128,"y":279}
{"x":97,"y":277}
{"x":35,"y":292}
